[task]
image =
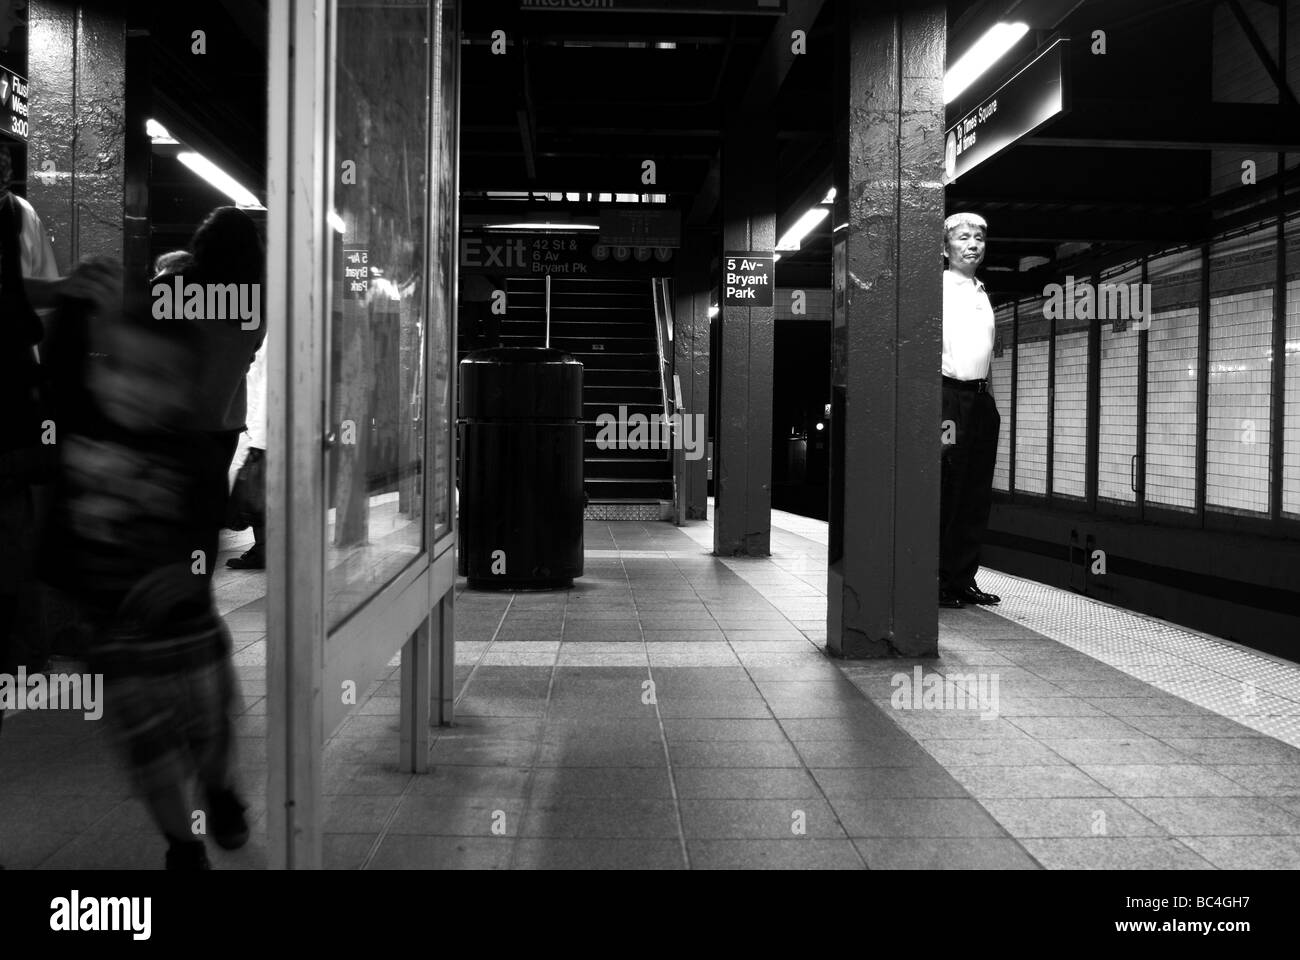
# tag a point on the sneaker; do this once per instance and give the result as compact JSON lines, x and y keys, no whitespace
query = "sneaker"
{"x":226,"y":818}
{"x":188,"y":855}
{"x":252,"y":559}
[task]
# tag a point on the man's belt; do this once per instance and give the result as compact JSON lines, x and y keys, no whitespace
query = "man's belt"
{"x":974,"y":386}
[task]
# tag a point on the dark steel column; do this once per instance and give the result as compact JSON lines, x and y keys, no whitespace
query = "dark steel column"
{"x":76,"y":156}
{"x":742,"y":523}
{"x":691,"y":321}
{"x":884,"y":522}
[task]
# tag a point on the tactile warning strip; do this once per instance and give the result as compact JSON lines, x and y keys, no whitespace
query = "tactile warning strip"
{"x":1250,"y":688}
{"x":1257,"y":691}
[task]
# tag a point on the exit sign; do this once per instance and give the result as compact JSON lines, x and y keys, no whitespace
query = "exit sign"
{"x":658,"y":6}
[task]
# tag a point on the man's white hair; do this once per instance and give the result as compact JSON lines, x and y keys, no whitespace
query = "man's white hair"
{"x":963,"y":220}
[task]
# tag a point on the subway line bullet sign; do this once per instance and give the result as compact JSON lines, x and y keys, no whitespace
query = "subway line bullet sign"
{"x":748,"y":279}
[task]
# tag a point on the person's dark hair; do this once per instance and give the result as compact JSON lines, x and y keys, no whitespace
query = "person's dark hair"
{"x":226,"y":247}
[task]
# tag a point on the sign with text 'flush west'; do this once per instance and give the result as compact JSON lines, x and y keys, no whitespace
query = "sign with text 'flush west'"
{"x":747,"y":278}
{"x":13,"y":105}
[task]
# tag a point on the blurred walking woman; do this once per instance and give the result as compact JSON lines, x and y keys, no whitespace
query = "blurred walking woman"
{"x":225,"y":250}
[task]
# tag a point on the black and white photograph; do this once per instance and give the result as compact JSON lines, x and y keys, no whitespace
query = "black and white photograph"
{"x":813,"y":436}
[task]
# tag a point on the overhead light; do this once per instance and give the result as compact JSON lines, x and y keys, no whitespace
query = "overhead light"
{"x":988,"y":50}
{"x":542,"y":226}
{"x":336,"y":222}
{"x":802,"y":227}
{"x":158,"y":133}
{"x":713,"y":311}
{"x":209,"y":171}
{"x":776,"y":257}
{"x":830,"y":196}
{"x":670,"y":45}
{"x":387,"y":287}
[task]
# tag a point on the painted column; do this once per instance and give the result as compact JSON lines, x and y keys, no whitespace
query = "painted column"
{"x":742,"y":524}
{"x":77,"y":150}
{"x":887,"y":330}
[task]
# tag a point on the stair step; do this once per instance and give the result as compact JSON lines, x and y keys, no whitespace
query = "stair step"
{"x":602,"y":489}
{"x":609,"y":326}
{"x":631,"y":468}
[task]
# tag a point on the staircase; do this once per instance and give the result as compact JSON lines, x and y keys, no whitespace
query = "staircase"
{"x":609,"y":326}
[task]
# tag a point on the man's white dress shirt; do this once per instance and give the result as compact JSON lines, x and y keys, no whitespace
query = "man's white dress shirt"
{"x":967,"y":328}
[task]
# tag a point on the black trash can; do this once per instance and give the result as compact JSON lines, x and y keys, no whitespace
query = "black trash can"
{"x":521,"y":469}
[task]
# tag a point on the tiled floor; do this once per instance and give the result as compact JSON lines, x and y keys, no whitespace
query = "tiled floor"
{"x":677,"y":710}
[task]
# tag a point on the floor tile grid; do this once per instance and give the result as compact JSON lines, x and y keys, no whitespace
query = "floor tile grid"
{"x":384,"y":835}
{"x":753,"y":582}
{"x":659,"y":719}
{"x":835,"y":814}
{"x":531,"y":775}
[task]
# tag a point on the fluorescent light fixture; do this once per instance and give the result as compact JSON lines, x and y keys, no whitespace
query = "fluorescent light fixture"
{"x":830,"y":196}
{"x":776,"y":257}
{"x":387,"y":287}
{"x":158,"y":133}
{"x":988,"y":50}
{"x":802,"y":227}
{"x":713,"y":311}
{"x":218,"y":178}
{"x":542,"y":226}
{"x":669,"y":45}
{"x":336,"y":222}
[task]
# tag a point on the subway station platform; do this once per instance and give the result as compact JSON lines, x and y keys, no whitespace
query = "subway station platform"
{"x":677,"y":710}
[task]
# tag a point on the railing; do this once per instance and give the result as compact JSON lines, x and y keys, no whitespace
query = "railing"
{"x":663,"y":336}
{"x":661,"y":290}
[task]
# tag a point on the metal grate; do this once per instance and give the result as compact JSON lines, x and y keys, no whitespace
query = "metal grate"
{"x":626,"y":511}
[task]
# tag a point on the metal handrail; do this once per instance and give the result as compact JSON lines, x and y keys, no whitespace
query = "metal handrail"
{"x":663,"y":321}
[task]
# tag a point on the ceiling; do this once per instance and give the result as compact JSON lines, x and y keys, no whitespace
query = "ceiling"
{"x":580,"y":100}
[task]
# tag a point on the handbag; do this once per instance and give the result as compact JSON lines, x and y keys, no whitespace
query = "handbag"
{"x":246,"y":506}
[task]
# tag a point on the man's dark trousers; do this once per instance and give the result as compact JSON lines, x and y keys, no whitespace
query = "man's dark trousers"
{"x":971,"y":423}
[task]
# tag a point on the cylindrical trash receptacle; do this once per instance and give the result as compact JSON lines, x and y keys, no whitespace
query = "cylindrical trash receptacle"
{"x":521,"y":469}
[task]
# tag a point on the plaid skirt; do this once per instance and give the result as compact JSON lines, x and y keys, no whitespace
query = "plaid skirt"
{"x":169,"y":685}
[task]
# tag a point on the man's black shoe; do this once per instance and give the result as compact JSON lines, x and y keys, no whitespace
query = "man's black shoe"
{"x":252,"y":559}
{"x":188,"y":855}
{"x":229,"y":827}
{"x":948,"y":598}
{"x":973,"y":594}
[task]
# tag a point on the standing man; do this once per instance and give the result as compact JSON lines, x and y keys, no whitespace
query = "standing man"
{"x":970,"y":417}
